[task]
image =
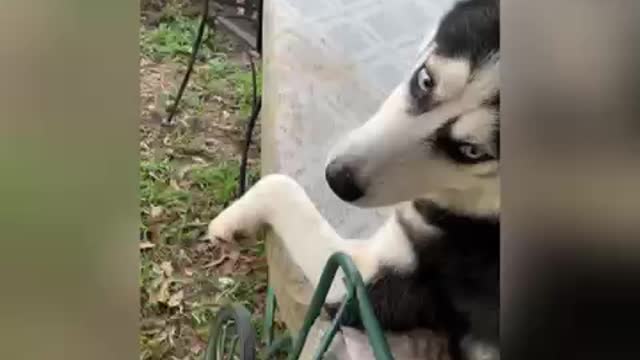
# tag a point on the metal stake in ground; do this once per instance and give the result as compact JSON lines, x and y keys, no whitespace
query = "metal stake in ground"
{"x":194,"y":54}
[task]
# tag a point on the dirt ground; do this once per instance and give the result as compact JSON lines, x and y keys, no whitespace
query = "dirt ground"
{"x":189,"y":173}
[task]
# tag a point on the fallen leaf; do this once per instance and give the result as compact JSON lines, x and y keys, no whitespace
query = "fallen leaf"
{"x":176,"y":299}
{"x":217,"y":261}
{"x":159,"y":338}
{"x":199,"y":160}
{"x":242,"y":269}
{"x":202,"y":247}
{"x":196,"y":347}
{"x":226,"y":282}
{"x":162,"y":294}
{"x":167,"y":268}
{"x":182,"y":256}
{"x":188,"y":168}
{"x":174,"y":184}
{"x":172,"y":333}
{"x":152,"y":325}
{"x":156,"y":212}
{"x":146,"y":245}
{"x":229,"y":266}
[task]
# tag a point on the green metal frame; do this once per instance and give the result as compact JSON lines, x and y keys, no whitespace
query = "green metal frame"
{"x":356,"y":295}
{"x":356,"y":300}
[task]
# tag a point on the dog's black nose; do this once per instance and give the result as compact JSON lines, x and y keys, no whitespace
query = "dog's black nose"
{"x":342,"y":181}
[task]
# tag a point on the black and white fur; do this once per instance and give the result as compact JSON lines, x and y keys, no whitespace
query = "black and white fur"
{"x":432,"y":150}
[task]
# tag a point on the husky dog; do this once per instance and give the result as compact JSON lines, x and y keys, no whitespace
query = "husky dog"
{"x":432,"y":150}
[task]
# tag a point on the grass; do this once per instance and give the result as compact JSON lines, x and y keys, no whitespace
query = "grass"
{"x":173,"y":197}
{"x":221,"y":181}
{"x":176,"y":205}
{"x":243,"y":85}
{"x":173,"y":41}
{"x":169,"y":40}
{"x":223,"y":76}
{"x":185,"y":278}
{"x":155,"y":186}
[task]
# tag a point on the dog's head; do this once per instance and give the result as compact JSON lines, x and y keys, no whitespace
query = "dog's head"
{"x":437,"y":134}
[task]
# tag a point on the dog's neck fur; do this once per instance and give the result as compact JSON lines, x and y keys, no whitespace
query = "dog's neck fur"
{"x":478,"y":202}
{"x":428,"y":216}
{"x":452,"y":242}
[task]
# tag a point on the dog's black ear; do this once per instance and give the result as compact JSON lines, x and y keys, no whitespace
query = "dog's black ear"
{"x":471,"y":30}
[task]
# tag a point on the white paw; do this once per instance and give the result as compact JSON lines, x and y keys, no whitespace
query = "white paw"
{"x":233,"y":223}
{"x":221,"y":230}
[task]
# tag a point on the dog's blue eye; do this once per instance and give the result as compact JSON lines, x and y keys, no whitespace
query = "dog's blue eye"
{"x":471,"y":151}
{"x":425,"y":82}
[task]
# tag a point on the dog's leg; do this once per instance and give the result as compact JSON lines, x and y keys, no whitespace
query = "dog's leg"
{"x":281,"y":203}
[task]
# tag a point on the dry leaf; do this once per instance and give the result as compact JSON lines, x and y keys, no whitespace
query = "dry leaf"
{"x":158,"y":339}
{"x":228,"y":267}
{"x":167,"y":268}
{"x":217,"y":261}
{"x":176,"y":299}
{"x":182,"y":256}
{"x":199,"y":160}
{"x":146,"y":245}
{"x":162,"y":295}
{"x":156,"y":212}
{"x":226,"y":282}
{"x":174,"y":185}
{"x":172,"y":333}
{"x":196,"y":347}
{"x":187,"y":168}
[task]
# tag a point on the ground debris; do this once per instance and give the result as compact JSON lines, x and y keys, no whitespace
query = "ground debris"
{"x":188,"y":172}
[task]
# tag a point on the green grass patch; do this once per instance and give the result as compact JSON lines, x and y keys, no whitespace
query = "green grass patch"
{"x":169,"y":39}
{"x":173,"y":40}
{"x":155,"y":186}
{"x":180,"y":195}
{"x":184,"y":199}
{"x":243,"y":86}
{"x":219,"y":181}
{"x":223,"y":77}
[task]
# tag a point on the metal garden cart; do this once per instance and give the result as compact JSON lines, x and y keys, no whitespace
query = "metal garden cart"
{"x":232,"y":335}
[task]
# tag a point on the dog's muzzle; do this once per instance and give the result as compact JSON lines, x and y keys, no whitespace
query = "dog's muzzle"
{"x":342,"y":180}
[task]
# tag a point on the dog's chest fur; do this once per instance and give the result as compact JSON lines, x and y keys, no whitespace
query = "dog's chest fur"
{"x":455,"y":285}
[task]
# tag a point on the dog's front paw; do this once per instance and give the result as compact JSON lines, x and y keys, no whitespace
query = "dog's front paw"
{"x":233,"y":223}
{"x":221,"y":230}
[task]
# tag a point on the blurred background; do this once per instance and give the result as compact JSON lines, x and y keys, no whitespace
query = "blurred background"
{"x":570,"y":172}
{"x":69,"y":192}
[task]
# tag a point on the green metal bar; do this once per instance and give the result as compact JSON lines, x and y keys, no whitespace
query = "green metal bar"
{"x":269,"y":316}
{"x":281,"y":344}
{"x":374,"y":332}
{"x":335,"y":325}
